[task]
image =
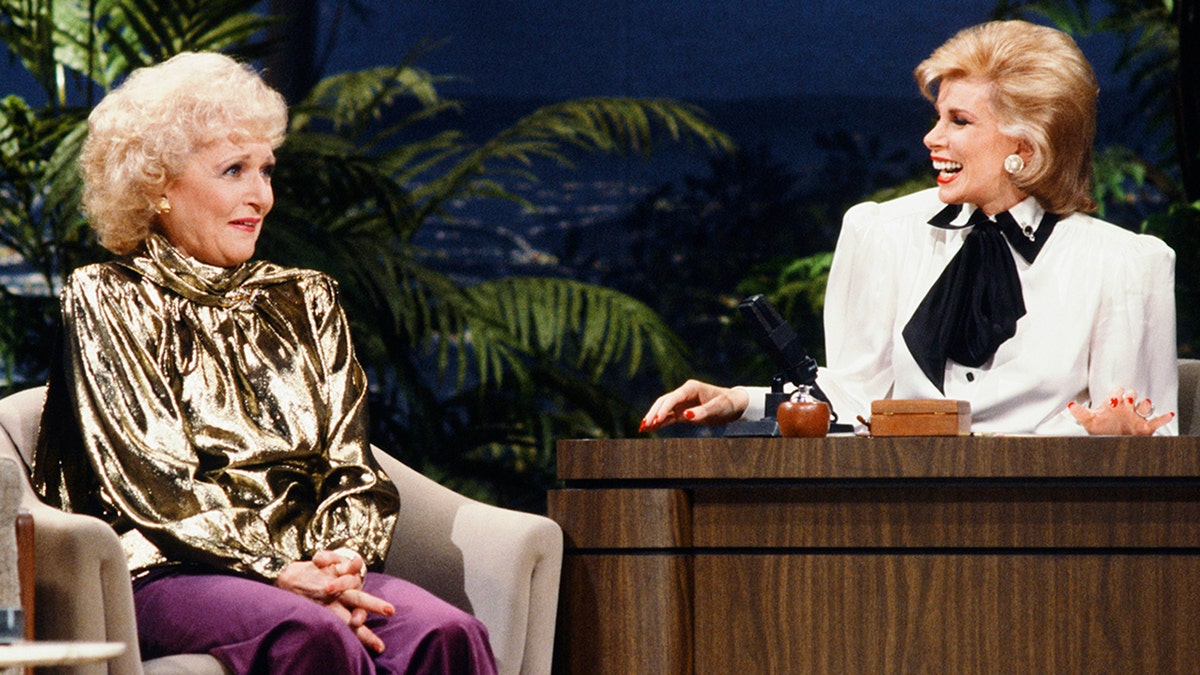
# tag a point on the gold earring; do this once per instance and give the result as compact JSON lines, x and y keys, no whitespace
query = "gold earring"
{"x":1014,"y":164}
{"x":162,"y":206}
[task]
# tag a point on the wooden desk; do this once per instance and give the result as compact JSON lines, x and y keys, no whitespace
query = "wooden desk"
{"x":862,"y":555}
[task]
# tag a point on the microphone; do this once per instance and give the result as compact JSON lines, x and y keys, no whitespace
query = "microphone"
{"x":784,"y":347}
{"x":779,"y":340}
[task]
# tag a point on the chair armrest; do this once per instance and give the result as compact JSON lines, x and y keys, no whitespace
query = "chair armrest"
{"x":501,"y":565}
{"x":82,"y":586}
{"x":81,"y":578}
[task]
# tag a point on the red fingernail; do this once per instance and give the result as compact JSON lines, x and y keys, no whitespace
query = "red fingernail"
{"x":1130,"y":399}
{"x":1071,"y":404}
{"x":689,"y":414}
{"x":642,"y":426}
{"x":1148,"y":401}
{"x":1113,"y":402}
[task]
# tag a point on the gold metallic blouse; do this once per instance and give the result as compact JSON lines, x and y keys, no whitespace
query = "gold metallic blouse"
{"x":220,"y":415}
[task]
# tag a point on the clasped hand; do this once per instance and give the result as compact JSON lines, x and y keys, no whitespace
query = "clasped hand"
{"x":335,"y":582}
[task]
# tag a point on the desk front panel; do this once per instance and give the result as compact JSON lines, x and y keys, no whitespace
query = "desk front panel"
{"x":851,"y":556}
{"x":930,"y":612}
{"x":935,"y":515}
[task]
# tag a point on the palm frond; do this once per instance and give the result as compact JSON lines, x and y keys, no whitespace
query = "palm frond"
{"x":610,"y":125}
{"x":596,"y":328}
{"x":606,"y":125}
{"x":27,"y":30}
{"x":105,"y":39}
{"x":149,"y":31}
{"x":39,"y":195}
{"x":352,"y":101}
{"x":336,"y":184}
{"x":81,"y":42}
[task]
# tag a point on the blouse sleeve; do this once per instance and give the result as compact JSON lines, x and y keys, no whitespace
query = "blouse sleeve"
{"x":860,"y":312}
{"x":1135,"y":340}
{"x":132,"y":430}
{"x":357,"y":503}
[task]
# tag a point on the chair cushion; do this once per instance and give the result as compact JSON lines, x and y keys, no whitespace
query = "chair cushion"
{"x":184,"y":664}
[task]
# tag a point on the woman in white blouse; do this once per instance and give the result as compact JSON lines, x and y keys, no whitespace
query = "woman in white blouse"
{"x":995,"y":287}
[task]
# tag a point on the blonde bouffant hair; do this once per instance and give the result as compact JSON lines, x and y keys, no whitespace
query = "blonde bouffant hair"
{"x":1043,"y":91}
{"x":142,"y":132}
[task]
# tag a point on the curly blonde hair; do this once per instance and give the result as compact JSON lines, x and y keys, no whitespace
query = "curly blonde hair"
{"x":142,"y":132}
{"x":1043,"y":92}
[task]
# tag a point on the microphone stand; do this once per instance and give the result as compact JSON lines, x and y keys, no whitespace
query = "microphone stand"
{"x":783,"y":345}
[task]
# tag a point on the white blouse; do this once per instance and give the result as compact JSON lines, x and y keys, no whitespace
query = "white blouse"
{"x":1100,"y":313}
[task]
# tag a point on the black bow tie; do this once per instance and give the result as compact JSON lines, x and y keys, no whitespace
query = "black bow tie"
{"x":974,"y":305}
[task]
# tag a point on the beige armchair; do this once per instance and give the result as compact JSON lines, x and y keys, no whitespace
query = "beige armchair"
{"x":502,"y":566}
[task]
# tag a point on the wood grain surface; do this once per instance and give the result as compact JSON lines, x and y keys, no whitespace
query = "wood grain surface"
{"x":873,"y":555}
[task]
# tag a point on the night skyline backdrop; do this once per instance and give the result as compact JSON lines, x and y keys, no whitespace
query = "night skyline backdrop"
{"x":687,"y":49}
{"x":702,"y":51}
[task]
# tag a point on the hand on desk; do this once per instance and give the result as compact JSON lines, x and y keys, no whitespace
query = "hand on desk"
{"x":1121,"y":415}
{"x":696,"y":402}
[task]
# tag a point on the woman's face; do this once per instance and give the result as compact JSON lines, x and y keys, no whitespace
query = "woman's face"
{"x":219,"y":200}
{"x":968,"y":150}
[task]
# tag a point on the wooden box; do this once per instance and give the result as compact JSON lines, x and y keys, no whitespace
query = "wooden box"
{"x":920,"y":417}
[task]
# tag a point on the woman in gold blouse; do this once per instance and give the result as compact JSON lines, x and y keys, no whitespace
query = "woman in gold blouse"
{"x":219,"y":413}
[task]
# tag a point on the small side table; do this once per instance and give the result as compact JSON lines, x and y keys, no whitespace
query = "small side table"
{"x":57,"y":653}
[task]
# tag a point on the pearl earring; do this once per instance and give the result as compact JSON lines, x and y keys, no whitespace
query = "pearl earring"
{"x":1014,"y":164}
{"x":162,"y":206}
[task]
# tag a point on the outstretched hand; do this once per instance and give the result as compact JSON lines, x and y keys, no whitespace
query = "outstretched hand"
{"x":1121,"y":415}
{"x":696,"y":402}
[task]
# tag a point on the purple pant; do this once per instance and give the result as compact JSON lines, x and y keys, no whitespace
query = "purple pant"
{"x":254,"y":627}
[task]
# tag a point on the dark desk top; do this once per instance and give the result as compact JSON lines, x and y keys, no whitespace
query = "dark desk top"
{"x":860,"y":458}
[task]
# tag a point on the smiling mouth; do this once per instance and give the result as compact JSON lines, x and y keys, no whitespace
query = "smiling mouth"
{"x":248,"y":225}
{"x":946,"y":169}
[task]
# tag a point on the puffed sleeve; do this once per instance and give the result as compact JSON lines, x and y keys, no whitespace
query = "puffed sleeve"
{"x":357,"y":502}
{"x":860,"y":312}
{"x":1135,"y":342}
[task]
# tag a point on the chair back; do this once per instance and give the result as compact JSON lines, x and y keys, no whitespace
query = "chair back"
{"x":20,"y":419}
